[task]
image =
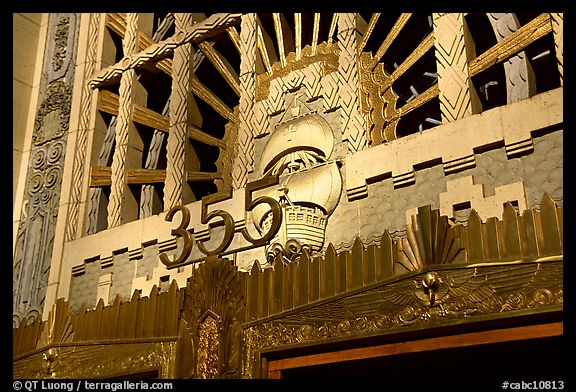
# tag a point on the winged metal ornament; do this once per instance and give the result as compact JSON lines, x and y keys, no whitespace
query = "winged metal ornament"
{"x":440,"y":294}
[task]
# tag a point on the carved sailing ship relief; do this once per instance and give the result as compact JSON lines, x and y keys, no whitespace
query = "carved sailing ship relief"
{"x":299,"y":152}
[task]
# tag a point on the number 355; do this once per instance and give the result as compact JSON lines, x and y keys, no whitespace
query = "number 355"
{"x":229,"y":227}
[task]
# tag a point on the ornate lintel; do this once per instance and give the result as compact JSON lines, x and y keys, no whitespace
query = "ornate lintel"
{"x":433,"y":296}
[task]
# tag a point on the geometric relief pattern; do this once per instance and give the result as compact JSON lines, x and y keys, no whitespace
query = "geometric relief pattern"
{"x":250,"y":121}
{"x":330,"y":91}
{"x":275,"y":102}
{"x":124,"y":120}
{"x":37,"y":225}
{"x":353,"y":127}
{"x":158,"y":137}
{"x":520,"y":81}
{"x":452,"y":65}
{"x":97,"y":192}
{"x":118,"y":169}
{"x":73,"y":230}
{"x":309,"y":77}
{"x":312,"y":81}
{"x":198,"y":32}
{"x":175,"y":149}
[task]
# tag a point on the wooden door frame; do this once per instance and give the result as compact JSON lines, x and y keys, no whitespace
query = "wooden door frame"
{"x":274,"y":368}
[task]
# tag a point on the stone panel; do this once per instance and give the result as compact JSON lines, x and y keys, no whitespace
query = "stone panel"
{"x":386,"y":208}
{"x":36,"y":230}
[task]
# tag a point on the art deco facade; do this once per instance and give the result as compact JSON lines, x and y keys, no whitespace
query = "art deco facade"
{"x":234,"y":195}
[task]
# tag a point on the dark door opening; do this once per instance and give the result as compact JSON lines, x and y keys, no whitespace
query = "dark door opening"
{"x":533,"y":359}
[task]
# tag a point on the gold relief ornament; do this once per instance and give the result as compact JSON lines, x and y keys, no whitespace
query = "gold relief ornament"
{"x":438,"y":296}
{"x":50,"y":362}
{"x":208,"y":347}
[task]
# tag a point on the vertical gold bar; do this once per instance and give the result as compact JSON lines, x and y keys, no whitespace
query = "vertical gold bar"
{"x":263,"y":51}
{"x":315,"y":32}
{"x":234,"y":37}
{"x":150,"y":321}
{"x":279,"y":37}
{"x":140,"y":316}
{"x":332,"y":28}
{"x":550,"y":226}
{"x":560,"y":216}
{"x":511,"y":238}
{"x":341,"y":272}
{"x":271,"y":290}
{"x":303,"y":281}
{"x":355,"y":265}
{"x":490,"y":239}
{"x":385,"y":266}
{"x":369,"y":274}
{"x":263,"y":292}
{"x":288,"y":287}
{"x":369,"y":31}
{"x":528,"y":234}
{"x":278,"y":288}
{"x":474,"y":228}
{"x":252,"y":300}
{"x":327,"y":273}
{"x":394,"y":31}
{"x":314,"y":279}
{"x":298,"y":38}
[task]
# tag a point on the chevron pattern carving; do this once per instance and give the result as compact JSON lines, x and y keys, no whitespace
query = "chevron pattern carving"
{"x":558,"y":31}
{"x":125,"y":109}
{"x":248,"y":123}
{"x":353,"y":124}
{"x":312,"y":81}
{"x":175,"y":148}
{"x":452,"y":67}
{"x":73,"y":226}
{"x":260,"y":121}
{"x":330,"y":93}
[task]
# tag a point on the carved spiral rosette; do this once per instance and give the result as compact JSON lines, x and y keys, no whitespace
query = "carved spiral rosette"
{"x":514,"y":301}
{"x":289,"y":252}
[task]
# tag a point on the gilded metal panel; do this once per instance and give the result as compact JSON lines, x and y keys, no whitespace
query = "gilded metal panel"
{"x":99,"y":361}
{"x":432,"y":297}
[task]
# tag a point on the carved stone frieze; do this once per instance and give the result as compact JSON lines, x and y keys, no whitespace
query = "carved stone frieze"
{"x":61,"y":41}
{"x":54,"y":112}
{"x":244,"y":156}
{"x":36,"y":230}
